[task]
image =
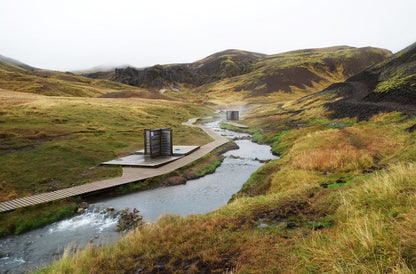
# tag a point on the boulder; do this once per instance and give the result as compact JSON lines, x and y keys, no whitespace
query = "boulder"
{"x":83,"y":205}
{"x":129,"y":219}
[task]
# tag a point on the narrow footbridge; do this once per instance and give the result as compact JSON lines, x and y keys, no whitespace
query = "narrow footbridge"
{"x":130,"y":174}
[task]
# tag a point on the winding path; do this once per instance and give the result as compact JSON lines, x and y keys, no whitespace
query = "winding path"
{"x":130,"y":175}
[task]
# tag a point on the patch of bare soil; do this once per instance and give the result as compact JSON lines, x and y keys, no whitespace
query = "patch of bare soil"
{"x":358,"y":100}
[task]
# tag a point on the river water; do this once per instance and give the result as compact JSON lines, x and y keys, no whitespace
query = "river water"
{"x":40,"y":247}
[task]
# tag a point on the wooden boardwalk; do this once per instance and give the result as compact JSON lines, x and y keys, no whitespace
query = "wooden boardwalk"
{"x":130,"y":174}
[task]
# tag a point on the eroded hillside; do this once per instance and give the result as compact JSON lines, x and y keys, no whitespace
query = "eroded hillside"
{"x":386,"y":86}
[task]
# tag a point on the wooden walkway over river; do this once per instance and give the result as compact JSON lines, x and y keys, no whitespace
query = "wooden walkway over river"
{"x":130,"y":174}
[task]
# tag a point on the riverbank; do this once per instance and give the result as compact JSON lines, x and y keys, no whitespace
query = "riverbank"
{"x":25,"y":219}
{"x":339,"y":183}
{"x":39,"y":215}
{"x":194,"y":170}
{"x":51,"y":143}
{"x":195,"y":197}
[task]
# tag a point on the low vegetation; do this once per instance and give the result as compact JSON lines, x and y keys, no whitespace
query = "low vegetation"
{"x":50,"y":143}
{"x":341,"y":197}
{"x":40,"y":134}
{"x":55,"y":83}
{"x":336,"y":201}
{"x":25,"y":219}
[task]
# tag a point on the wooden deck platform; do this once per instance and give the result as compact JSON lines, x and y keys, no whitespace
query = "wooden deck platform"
{"x":130,"y":174}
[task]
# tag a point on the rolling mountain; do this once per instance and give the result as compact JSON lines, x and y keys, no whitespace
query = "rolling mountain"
{"x":256,"y":73}
{"x":231,"y":71}
{"x":17,"y":76}
{"x":11,"y":64}
{"x":215,"y":67}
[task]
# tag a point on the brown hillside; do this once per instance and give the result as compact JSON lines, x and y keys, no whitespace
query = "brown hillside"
{"x":384,"y":87}
{"x":256,"y":73}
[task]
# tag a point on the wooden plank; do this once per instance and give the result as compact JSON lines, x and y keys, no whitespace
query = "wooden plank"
{"x":6,"y":206}
{"x":129,"y":175}
{"x":37,"y":199}
{"x":17,"y":204}
{"x":32,"y":201}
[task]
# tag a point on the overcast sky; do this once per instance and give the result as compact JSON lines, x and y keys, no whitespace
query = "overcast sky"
{"x":81,"y":34}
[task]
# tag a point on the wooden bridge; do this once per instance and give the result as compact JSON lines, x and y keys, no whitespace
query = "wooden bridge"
{"x":130,"y":175}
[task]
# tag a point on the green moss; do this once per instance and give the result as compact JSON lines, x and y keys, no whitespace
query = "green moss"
{"x":257,"y":137}
{"x":325,"y":222}
{"x":280,"y":135}
{"x":210,"y":169}
{"x":284,"y":141}
{"x":25,"y":219}
{"x":228,"y":126}
{"x":395,"y":82}
{"x":46,"y":217}
{"x":258,"y":182}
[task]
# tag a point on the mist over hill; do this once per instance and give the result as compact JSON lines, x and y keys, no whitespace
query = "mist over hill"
{"x":256,"y":74}
{"x":17,"y":76}
{"x":12,"y":64}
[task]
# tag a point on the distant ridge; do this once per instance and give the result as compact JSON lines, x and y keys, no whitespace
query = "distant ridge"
{"x":232,"y":70}
{"x":6,"y":62}
{"x":19,"y":77}
{"x":254,"y":72}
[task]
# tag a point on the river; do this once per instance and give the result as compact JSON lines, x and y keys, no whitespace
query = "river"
{"x":40,"y":247}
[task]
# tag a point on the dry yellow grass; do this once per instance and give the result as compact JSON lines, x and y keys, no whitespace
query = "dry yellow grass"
{"x":50,"y":143}
{"x":341,"y":150}
{"x":375,"y":227}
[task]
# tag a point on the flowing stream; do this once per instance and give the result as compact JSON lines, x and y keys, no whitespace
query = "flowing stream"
{"x":40,"y":247}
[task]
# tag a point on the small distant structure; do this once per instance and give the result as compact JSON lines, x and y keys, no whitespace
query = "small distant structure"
{"x":232,"y":115}
{"x":158,"y":142}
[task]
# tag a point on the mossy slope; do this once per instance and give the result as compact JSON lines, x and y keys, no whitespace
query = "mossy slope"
{"x":386,"y":86}
{"x":17,"y":76}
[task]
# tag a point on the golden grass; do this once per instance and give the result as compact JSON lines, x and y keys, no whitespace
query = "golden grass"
{"x":365,"y":227}
{"x":54,"y":83}
{"x":360,"y":225}
{"x":72,"y":136}
{"x":341,"y":150}
{"x":290,"y":180}
{"x":374,"y":231}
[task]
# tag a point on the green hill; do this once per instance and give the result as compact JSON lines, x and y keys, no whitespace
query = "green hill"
{"x":11,"y":64}
{"x":16,"y":76}
{"x":257,"y":74}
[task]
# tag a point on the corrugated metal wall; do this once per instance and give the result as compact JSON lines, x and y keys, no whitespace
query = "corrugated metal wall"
{"x":158,"y":142}
{"x":233,"y":115}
